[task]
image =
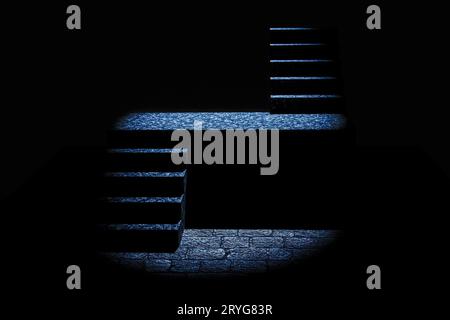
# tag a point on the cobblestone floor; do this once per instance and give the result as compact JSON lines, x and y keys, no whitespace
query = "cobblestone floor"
{"x":231,"y":251}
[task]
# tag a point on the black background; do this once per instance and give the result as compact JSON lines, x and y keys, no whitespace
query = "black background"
{"x":64,"y":85}
{"x":64,"y":88}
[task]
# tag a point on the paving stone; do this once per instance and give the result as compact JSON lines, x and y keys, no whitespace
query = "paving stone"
{"x":279,"y":254}
{"x":157,"y":265}
{"x":185,"y":266}
{"x":206,"y":253}
{"x":283,"y":233}
{"x":303,"y":243}
{"x":201,"y":242}
{"x":249,"y":266}
{"x":226,"y":232}
{"x":255,"y":232}
{"x":235,"y":242}
{"x":198,"y":232}
{"x":267,"y":242}
{"x":179,"y":254}
{"x":126,"y":255}
{"x":215,"y":265}
{"x":247,"y":254}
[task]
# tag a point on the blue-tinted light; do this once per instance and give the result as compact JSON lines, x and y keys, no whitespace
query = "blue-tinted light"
{"x":174,"y":174}
{"x":304,"y":96}
{"x":229,"y":120}
{"x":144,"y":199}
{"x":301,"y":44}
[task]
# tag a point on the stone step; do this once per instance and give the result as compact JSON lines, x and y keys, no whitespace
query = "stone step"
{"x":139,"y":237}
{"x":301,"y":50}
{"x":138,"y":184}
{"x":142,"y":159}
{"x":165,"y":210}
{"x":302,"y":67}
{"x":145,"y":121}
{"x":307,"y":103}
{"x":304,"y":85}
{"x":302,"y":34}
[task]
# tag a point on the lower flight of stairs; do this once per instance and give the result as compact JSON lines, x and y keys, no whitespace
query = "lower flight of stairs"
{"x":143,"y":201}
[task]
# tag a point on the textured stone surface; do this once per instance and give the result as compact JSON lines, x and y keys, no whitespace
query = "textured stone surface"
{"x":279,"y":254}
{"x":298,"y":243}
{"x":226,"y":232}
{"x":230,"y":120}
{"x":172,"y":174}
{"x":125,"y":255}
{"x":215,"y":265}
{"x":140,"y":227}
{"x":249,"y":266}
{"x":198,"y":233}
{"x":144,"y":199}
{"x":201,"y":242}
{"x":235,"y":242}
{"x":268,"y":242}
{"x":248,"y":254}
{"x":255,"y":233}
{"x":207,"y":253}
{"x":185,"y":266}
{"x":283,"y":233}
{"x":179,"y":254}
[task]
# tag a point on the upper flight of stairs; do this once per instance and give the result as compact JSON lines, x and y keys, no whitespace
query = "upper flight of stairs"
{"x":304,"y":73}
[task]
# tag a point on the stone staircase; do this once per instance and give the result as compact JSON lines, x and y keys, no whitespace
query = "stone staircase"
{"x":304,"y":73}
{"x":143,"y":204}
{"x":144,"y":193}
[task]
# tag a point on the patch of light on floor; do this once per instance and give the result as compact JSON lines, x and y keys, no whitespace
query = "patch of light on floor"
{"x":231,"y":251}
